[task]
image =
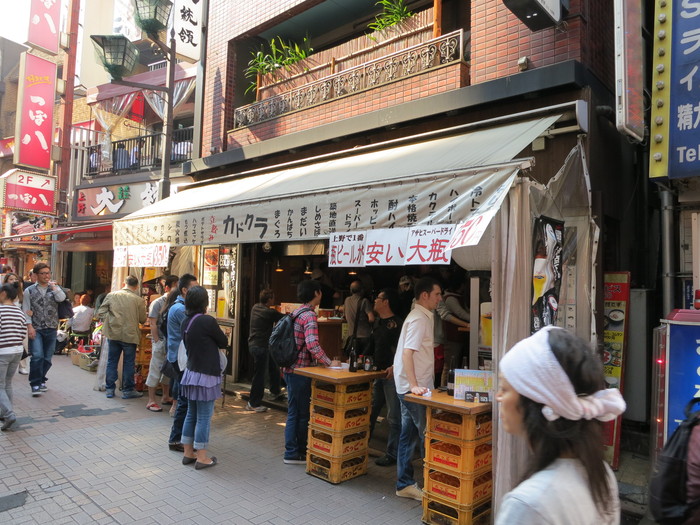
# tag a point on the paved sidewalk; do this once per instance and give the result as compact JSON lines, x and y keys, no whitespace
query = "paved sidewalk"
{"x":75,"y":456}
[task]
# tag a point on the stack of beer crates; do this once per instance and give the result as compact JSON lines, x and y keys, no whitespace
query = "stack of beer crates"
{"x":458,"y":481}
{"x":337,"y":448}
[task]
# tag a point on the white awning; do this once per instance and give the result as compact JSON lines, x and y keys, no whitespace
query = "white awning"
{"x":431,"y":182}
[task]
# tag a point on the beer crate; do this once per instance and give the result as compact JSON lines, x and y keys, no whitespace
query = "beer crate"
{"x":461,"y":489}
{"x":358,"y":394}
{"x":337,"y":444}
{"x":456,"y":455}
{"x":336,"y":470}
{"x":437,"y":511}
{"x":338,"y":419}
{"x":459,"y":426}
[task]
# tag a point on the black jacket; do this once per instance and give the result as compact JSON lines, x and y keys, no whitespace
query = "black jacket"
{"x":261,"y":320}
{"x":203,"y":340}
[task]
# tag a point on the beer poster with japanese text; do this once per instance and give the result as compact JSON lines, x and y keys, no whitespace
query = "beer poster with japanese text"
{"x":548,"y":239}
{"x":616,"y":309}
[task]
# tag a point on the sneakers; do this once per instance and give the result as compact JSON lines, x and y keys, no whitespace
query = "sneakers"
{"x":9,"y":421}
{"x":23,"y":371}
{"x":250,"y":408}
{"x":295,"y":461}
{"x":385,"y":461}
{"x":109,"y":393}
{"x":36,"y":391}
{"x":42,"y":387}
{"x":278,"y":398}
{"x":412,"y":491}
{"x":131,"y":394}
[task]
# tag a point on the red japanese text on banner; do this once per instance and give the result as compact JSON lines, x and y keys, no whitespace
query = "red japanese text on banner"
{"x":23,"y":190}
{"x":346,"y":249}
{"x":429,"y":244}
{"x":385,"y":246}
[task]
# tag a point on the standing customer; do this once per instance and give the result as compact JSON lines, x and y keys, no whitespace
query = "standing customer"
{"x":358,"y":310}
{"x":262,"y":318}
{"x":11,"y":278}
{"x":201,"y":379}
{"x":122,"y":312}
{"x":40,"y":303}
{"x":413,"y":373}
{"x":13,"y":331}
{"x":158,"y":347}
{"x":299,"y":387}
{"x":552,"y":393}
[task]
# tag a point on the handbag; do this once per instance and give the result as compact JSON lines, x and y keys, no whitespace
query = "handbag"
{"x":223,"y":360}
{"x":170,"y":370}
{"x":182,"y":349}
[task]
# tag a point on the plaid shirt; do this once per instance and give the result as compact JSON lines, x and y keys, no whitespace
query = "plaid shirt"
{"x":306,"y":337}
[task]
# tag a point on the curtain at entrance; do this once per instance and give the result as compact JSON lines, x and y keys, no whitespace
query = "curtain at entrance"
{"x":183,"y":89}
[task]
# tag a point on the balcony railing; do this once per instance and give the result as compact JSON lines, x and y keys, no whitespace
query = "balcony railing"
{"x":414,"y":60}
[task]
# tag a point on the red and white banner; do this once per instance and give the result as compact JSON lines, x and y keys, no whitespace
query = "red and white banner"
{"x":385,"y":246}
{"x":346,"y":249}
{"x":7,"y":147}
{"x":142,"y":256}
{"x":23,"y":190}
{"x":428,"y":244}
{"x":44,"y":20}
{"x":34,"y":128}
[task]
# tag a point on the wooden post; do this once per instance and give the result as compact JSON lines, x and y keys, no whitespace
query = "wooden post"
{"x":437,"y":18}
{"x":332,"y":65}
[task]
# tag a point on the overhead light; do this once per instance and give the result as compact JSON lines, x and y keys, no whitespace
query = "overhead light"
{"x":279,"y":268}
{"x":352,"y":272}
{"x":307,"y":271}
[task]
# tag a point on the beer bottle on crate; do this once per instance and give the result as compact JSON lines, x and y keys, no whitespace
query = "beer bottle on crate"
{"x":353,"y":359}
{"x":451,"y":378}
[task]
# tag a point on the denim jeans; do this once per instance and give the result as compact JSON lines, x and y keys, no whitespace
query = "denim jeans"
{"x":114,"y":353}
{"x":384,"y":392}
{"x":180,"y":411}
{"x":195,"y":430}
{"x":8,"y":368}
{"x":296,"y":430}
{"x":41,"y":348}
{"x":262,"y":363}
{"x":412,"y":432}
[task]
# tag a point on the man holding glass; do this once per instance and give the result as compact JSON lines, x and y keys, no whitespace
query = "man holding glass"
{"x":40,"y":304}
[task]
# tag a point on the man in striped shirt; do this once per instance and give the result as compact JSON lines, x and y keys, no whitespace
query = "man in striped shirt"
{"x":299,"y":387}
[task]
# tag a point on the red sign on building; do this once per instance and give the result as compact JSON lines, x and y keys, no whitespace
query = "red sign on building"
{"x":22,"y":190}
{"x":34,"y":128}
{"x":44,"y":19}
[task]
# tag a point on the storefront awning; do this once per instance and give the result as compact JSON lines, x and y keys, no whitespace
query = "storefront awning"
{"x":438,"y":181}
{"x":44,"y":236}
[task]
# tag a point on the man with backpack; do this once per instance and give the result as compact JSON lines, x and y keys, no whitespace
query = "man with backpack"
{"x":299,"y":387}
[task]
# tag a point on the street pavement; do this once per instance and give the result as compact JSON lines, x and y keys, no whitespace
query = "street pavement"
{"x":75,"y":456}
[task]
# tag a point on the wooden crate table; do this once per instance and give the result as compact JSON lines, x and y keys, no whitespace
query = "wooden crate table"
{"x":341,"y":403}
{"x":458,"y":480}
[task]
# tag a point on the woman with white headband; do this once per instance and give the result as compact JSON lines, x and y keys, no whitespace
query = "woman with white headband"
{"x":552,"y":392}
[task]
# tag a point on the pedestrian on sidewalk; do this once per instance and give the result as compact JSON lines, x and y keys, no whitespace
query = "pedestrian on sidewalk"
{"x":262,"y":318}
{"x":13,"y":332}
{"x":552,"y":393}
{"x":155,"y":377}
{"x":201,"y":379}
{"x":40,"y":303}
{"x":414,"y":368}
{"x":10,"y":278}
{"x":122,"y":312}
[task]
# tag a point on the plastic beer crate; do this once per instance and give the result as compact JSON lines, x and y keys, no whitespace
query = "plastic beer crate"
{"x":459,"y":426}
{"x":461,"y":489}
{"x":437,"y":511}
{"x":336,"y":470}
{"x":337,"y":444}
{"x":342,"y":395}
{"x":338,"y":419}
{"x":458,"y":456}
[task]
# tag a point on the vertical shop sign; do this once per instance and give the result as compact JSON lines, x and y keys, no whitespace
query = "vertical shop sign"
{"x":44,"y":18}
{"x":346,"y":249}
{"x":616,"y":310}
{"x":33,"y":130}
{"x":188,"y":28}
{"x":385,"y":246}
{"x":546,"y":272}
{"x":428,"y":244}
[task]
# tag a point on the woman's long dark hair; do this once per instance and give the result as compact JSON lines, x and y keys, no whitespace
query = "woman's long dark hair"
{"x":581,"y":439}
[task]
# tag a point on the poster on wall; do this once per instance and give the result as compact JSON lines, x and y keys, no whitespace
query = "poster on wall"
{"x":616,"y":309}
{"x":210,"y":272}
{"x":546,"y":271}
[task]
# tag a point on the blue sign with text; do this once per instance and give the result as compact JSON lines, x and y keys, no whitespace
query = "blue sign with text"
{"x":683,"y":371}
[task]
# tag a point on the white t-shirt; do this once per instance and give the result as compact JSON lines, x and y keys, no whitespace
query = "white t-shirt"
{"x":416,"y":334}
{"x":558,"y":495}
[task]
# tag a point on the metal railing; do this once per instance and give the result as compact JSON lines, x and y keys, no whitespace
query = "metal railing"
{"x":414,"y":60}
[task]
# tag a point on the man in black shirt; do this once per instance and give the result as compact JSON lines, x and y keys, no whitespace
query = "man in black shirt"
{"x":385,"y":337}
{"x":262,"y":318}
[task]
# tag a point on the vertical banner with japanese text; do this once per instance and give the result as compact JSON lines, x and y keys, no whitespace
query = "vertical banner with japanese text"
{"x":616,"y":310}
{"x":34,"y":126}
{"x":188,"y":29}
{"x":44,"y":19}
{"x":548,"y":238}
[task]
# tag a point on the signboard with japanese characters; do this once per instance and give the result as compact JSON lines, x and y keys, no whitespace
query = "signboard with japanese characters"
{"x":34,"y":128}
{"x":428,"y":244}
{"x":188,"y":29}
{"x":24,"y":190}
{"x":44,"y":18}
{"x":346,"y":249}
{"x":142,"y":256}
{"x":114,"y":201}
{"x":675,"y":118}
{"x":386,"y":246}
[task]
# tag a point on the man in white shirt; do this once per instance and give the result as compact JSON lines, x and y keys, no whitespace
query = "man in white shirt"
{"x":413,"y":374}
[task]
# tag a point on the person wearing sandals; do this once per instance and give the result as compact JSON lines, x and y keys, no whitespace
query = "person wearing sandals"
{"x":201,"y":380}
{"x":13,"y":332}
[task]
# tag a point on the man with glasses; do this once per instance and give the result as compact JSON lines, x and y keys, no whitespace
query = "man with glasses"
{"x":40,"y":303}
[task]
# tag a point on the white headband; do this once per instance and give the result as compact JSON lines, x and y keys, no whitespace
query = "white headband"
{"x":534,"y":372}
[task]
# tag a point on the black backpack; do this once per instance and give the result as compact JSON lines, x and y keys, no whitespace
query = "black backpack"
{"x":163,"y":321}
{"x":283,"y":346}
{"x":667,"y":490}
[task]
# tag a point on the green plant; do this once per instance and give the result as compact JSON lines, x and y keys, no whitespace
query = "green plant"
{"x":394,"y":12}
{"x":275,"y":55}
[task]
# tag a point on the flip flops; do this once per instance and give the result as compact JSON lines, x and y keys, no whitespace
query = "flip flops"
{"x":154,"y":407}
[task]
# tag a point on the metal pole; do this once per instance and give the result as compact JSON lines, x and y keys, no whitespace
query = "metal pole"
{"x":168,"y":120}
{"x":667,"y":260}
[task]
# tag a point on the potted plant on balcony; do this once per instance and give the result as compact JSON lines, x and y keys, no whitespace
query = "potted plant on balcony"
{"x":278,"y":54}
{"x":391,"y":20}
